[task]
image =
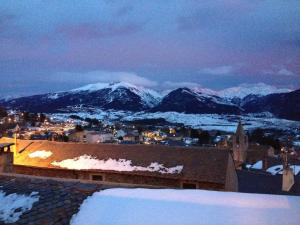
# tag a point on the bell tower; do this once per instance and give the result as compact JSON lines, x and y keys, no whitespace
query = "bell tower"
{"x":239,"y":144}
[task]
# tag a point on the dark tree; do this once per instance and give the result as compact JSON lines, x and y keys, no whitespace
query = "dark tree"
{"x":79,"y":128}
{"x":194,"y":133}
{"x":3,"y":112}
{"x":204,"y":138}
{"x":259,"y":137}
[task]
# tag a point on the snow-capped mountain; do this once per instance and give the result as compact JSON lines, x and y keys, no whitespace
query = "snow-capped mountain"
{"x":192,"y":101}
{"x":127,"y":97}
{"x":282,"y":105}
{"x":259,"y":89}
{"x":118,"y":96}
{"x":149,"y":97}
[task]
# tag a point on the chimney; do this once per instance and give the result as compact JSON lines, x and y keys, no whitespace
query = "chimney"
{"x":288,"y":179}
{"x":6,"y":158}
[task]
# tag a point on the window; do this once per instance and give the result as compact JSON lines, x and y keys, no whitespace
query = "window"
{"x":189,"y":185}
{"x":97,"y":177}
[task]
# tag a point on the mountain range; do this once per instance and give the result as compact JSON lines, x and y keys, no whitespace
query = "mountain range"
{"x":283,"y":103}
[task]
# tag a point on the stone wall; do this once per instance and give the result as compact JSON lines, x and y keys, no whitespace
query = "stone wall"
{"x":112,"y":177}
{"x":231,"y":176}
{"x":6,"y":162}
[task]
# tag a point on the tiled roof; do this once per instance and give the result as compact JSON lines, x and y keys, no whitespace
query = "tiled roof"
{"x":264,"y":183}
{"x":58,"y":199}
{"x":4,"y":145}
{"x":201,"y":164}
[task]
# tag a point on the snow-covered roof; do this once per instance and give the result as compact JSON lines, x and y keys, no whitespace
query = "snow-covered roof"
{"x":197,"y":164}
{"x":192,"y":207}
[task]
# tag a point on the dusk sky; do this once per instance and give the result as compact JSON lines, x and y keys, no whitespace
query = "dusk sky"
{"x":59,"y":45}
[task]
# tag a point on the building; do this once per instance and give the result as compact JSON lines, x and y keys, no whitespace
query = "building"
{"x":245,"y":152}
{"x":91,"y":137}
{"x":239,"y":145}
{"x":265,"y":183}
{"x":6,"y":157}
{"x":204,"y":168}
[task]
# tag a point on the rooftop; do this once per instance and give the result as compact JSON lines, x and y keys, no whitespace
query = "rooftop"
{"x":201,"y":164}
{"x":4,"y":145}
{"x":58,"y":199}
{"x":264,"y":183}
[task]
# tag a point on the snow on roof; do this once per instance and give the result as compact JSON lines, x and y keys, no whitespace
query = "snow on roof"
{"x":192,"y":207}
{"x":86,"y":162}
{"x":43,"y":154}
{"x":258,"y":165}
{"x":278,"y":169}
{"x":12,"y":206}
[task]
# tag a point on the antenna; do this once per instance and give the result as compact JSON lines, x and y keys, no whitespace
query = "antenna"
{"x":16,"y":131}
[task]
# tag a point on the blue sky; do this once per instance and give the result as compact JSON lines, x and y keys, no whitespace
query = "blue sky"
{"x":57,"y":45}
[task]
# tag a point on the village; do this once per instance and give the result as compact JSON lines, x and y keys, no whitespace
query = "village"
{"x":150,"y":112}
{"x":88,"y":155}
{"x":253,"y":151}
{"x":39,"y":126}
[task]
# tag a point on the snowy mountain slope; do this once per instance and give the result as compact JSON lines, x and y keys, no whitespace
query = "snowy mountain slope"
{"x":191,"y":101}
{"x":118,"y":96}
{"x":259,"y":89}
{"x":149,"y":97}
{"x":127,"y":97}
{"x":282,"y":105}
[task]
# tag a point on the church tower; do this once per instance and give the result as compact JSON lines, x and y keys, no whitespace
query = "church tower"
{"x":239,"y":144}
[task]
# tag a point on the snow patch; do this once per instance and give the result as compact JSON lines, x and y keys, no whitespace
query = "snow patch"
{"x":278,"y":169}
{"x":87,"y":162}
{"x":43,"y":154}
{"x":192,"y":207}
{"x":258,"y":165}
{"x":297,"y":143}
{"x":12,"y":206}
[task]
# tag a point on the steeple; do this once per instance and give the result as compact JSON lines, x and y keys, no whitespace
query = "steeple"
{"x":239,"y":144}
{"x":240,"y":129}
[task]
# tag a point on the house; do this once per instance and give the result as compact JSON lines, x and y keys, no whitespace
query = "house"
{"x":131,"y":136}
{"x":160,"y":166}
{"x":120,"y":133}
{"x":91,"y":137}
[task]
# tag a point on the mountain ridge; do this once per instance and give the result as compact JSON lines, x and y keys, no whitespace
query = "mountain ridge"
{"x":128,"y":97}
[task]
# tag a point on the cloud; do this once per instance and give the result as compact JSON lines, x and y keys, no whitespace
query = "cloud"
{"x":279,"y":70}
{"x":103,"y":76}
{"x":285,"y":72}
{"x":174,"y":85}
{"x":221,"y":70}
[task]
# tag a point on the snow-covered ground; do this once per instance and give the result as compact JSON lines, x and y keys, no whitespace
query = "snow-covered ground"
{"x":86,"y":162}
{"x":297,"y":143}
{"x":43,"y":154}
{"x":12,"y":206}
{"x":203,"y":121}
{"x":192,"y":207}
